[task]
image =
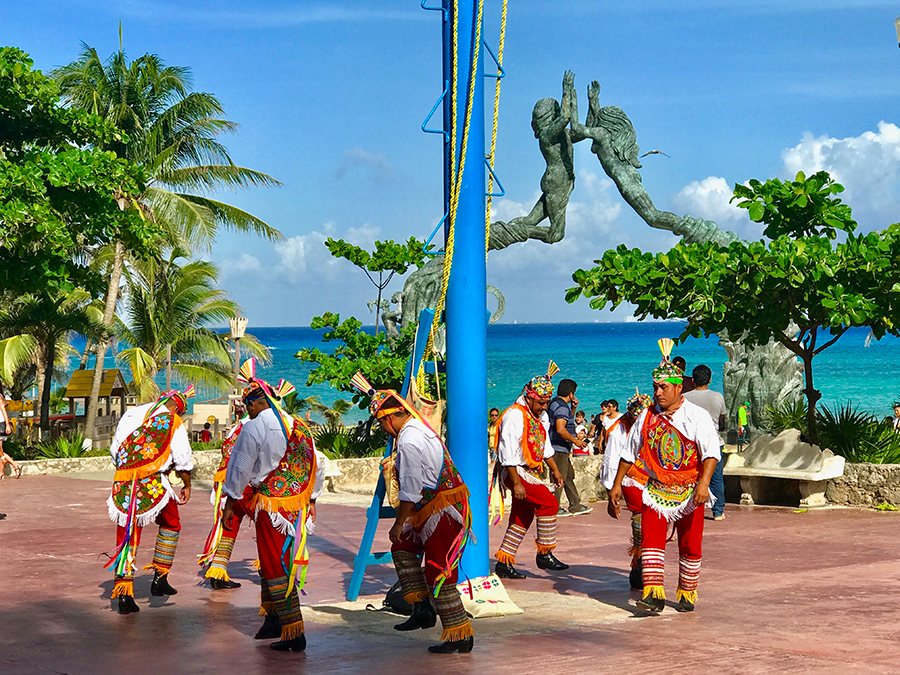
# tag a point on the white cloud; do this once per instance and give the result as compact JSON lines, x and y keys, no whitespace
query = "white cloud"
{"x":868,"y":166}
{"x":246,"y":263}
{"x":710,"y":199}
{"x":372,"y":164}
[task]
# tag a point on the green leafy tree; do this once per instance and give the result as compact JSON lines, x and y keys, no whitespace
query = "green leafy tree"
{"x":382,"y":363}
{"x":169,"y":313}
{"x":172,"y":132}
{"x":801,"y":288}
{"x":62,"y":193}
{"x":388,"y":258}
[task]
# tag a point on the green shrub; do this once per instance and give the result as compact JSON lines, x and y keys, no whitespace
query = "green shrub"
{"x":858,"y":436}
{"x":62,"y":447}
{"x":20,"y":451}
{"x":209,"y":445}
{"x":788,"y":415}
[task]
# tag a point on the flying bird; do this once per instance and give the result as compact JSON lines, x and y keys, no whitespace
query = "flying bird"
{"x":654,"y":152}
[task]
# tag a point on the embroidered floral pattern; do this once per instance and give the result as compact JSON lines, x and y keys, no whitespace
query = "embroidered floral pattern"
{"x":294,"y":471}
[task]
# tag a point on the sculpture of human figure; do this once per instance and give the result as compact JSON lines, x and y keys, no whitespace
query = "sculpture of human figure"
{"x":549,"y":120}
{"x":393,"y":318}
{"x":615,"y":144}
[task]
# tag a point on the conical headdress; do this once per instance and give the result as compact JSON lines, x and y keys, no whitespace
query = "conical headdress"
{"x":541,"y":386}
{"x":667,"y":371}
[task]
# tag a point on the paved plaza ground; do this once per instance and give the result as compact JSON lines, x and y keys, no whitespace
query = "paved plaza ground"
{"x":780,"y":592}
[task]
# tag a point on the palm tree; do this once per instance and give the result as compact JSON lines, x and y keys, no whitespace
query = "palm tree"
{"x":169,"y":310}
{"x":172,"y":133}
{"x":44,"y":323}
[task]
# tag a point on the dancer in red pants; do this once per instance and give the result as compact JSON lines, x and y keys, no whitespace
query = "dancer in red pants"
{"x":678,"y":446}
{"x":524,"y":448}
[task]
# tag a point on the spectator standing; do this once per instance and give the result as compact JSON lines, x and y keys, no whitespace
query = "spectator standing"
{"x":688,"y":383}
{"x":493,"y":432}
{"x":581,"y":432}
{"x":563,"y":438}
{"x":714,"y":403}
{"x":205,"y":435}
{"x":612,"y":416}
{"x":743,"y":420}
{"x":5,"y":431}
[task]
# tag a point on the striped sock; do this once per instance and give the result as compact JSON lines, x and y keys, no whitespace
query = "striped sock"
{"x":218,"y":567}
{"x":266,"y":603}
{"x":411,"y":576}
{"x":635,"y":550}
{"x":653,"y":561}
{"x":510,"y":545}
{"x":454,"y":619}
{"x":287,"y":608}
{"x":164,"y":554}
{"x":688,"y":575}
{"x":546,"y":533}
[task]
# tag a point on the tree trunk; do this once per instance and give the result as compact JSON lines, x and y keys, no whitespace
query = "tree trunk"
{"x":39,"y":370}
{"x":86,"y":354}
{"x":109,"y":312}
{"x":49,"y":354}
{"x":378,"y":305}
{"x":168,"y":367}
{"x":812,"y":396}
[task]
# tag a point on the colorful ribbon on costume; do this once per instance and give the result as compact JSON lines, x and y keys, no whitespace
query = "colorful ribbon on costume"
{"x":496,"y":506}
{"x":300,"y":561}
{"x":125,"y":550}
{"x":455,"y":553}
{"x":215,"y":534}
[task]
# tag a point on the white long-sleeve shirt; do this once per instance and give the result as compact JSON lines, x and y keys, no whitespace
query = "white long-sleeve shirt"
{"x":512,"y":426}
{"x":258,"y":450}
{"x":420,"y":458}
{"x":615,"y":444}
{"x":134,"y":418}
{"x":691,"y":420}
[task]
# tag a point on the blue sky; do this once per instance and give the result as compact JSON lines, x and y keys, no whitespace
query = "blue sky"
{"x":330,"y":97}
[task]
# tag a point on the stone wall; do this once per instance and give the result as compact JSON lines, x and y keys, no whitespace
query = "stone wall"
{"x":866,"y":485}
{"x":861,"y":484}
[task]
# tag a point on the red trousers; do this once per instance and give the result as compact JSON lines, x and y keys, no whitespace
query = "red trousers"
{"x":433,"y":550}
{"x":634,"y":500}
{"x":274,"y":560}
{"x":690,"y":531}
{"x":539,"y":501}
{"x":167,"y":518}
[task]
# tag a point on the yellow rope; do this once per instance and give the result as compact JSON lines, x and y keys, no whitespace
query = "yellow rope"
{"x":490,"y":190}
{"x":455,"y":176}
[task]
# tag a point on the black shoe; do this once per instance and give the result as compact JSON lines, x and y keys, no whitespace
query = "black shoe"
{"x":684,"y":605}
{"x":548,"y":561}
{"x":297,"y":644}
{"x":462,"y":646}
{"x":160,"y":585}
{"x":635,"y":577}
{"x":127,"y":605}
{"x":2,"y":516}
{"x":505,"y":571}
{"x":270,"y":629}
{"x":651,"y":604}
{"x":423,"y":616}
{"x":223,"y":584}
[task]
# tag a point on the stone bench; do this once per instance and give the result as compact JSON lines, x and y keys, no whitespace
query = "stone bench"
{"x":784,"y":457}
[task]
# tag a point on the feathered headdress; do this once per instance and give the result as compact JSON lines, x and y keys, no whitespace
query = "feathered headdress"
{"x":667,"y":371}
{"x":637,"y":403}
{"x":180,"y":398}
{"x":541,"y":386}
{"x":378,"y":398}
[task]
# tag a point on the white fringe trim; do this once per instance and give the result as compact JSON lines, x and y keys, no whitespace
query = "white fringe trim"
{"x":628,"y":481}
{"x":523,"y":474}
{"x":280,"y":523}
{"x":678,"y":512}
{"x":143,"y":519}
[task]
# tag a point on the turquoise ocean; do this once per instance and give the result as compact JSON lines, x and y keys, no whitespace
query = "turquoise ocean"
{"x":608,"y":360}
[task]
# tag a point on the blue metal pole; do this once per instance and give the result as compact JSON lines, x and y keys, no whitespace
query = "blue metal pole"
{"x":466,"y":313}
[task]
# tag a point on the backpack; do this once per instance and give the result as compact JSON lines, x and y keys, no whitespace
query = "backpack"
{"x":393,"y":602}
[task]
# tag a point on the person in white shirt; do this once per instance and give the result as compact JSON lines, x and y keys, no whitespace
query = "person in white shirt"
{"x":149,"y":442}
{"x":274,"y":456}
{"x":524,"y":448}
{"x":677,"y":445}
{"x":714,"y":403}
{"x":432,"y":523}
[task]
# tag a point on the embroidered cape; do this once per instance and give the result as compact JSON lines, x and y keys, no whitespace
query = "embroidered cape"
{"x":672,"y":465}
{"x":534,"y":440}
{"x":138,"y":488}
{"x":288,"y":488}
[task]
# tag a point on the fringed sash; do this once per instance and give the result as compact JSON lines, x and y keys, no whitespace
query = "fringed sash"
{"x":672,"y":465}
{"x":534,"y":440}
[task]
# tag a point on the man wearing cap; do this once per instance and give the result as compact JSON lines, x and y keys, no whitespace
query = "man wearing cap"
{"x":271,"y":477}
{"x":150,"y":441}
{"x":432,"y":524}
{"x":677,"y":444}
{"x":524,"y":448}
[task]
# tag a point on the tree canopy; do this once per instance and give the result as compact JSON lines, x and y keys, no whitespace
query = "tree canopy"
{"x":61,"y":195}
{"x":802,"y":287}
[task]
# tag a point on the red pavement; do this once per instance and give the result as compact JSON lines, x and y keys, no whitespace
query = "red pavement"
{"x":780,"y":592}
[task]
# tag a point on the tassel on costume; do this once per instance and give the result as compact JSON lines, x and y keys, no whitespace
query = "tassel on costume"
{"x":454,"y":619}
{"x":690,"y":596}
{"x":266,"y":608}
{"x":506,"y":554}
{"x":291,"y":630}
{"x":505,"y":558}
{"x":123,"y":587}
{"x":655,"y":592}
{"x":218,"y":566}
